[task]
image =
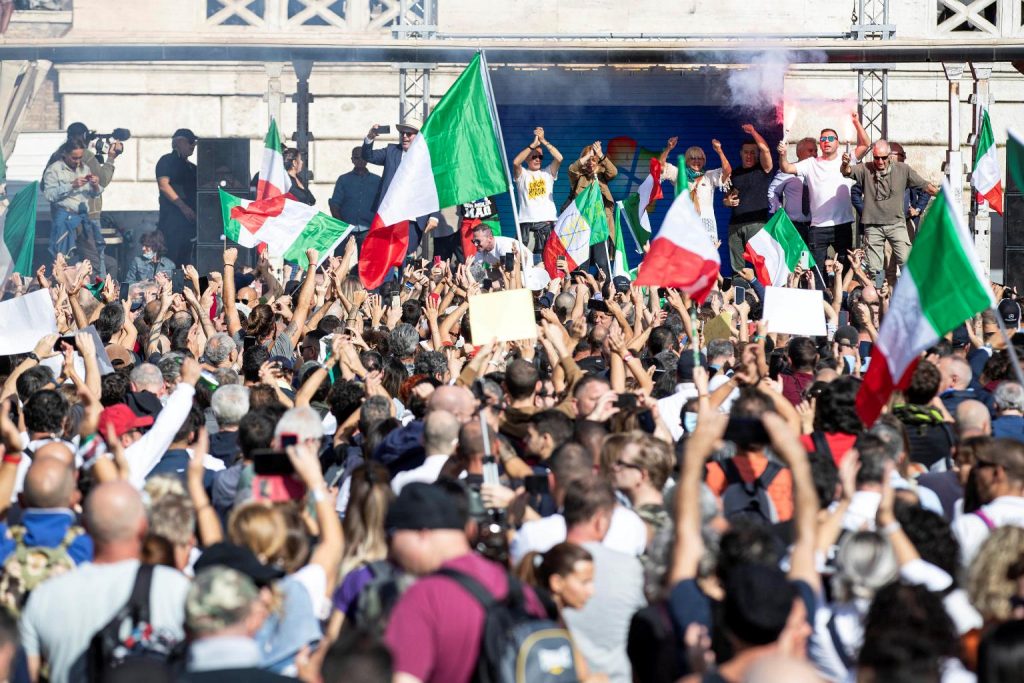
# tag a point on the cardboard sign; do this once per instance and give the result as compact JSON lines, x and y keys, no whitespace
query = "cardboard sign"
{"x":505,"y":316}
{"x":794,"y":311}
{"x":24,"y":320}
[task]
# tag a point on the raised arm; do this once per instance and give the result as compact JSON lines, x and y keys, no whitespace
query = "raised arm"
{"x":517,"y":163}
{"x":785,"y":165}
{"x":726,"y":166}
{"x":306,"y":293}
{"x":230,"y":309}
{"x":556,"y":156}
{"x":762,"y":147}
{"x":670,"y":144}
{"x":863,"y":141}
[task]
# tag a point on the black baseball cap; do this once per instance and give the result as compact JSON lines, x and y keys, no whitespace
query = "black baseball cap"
{"x":77,"y":130}
{"x":239,"y":558}
{"x":185,"y":133}
{"x":1009,"y":311}
{"x":758,"y":601}
{"x":421,"y":507}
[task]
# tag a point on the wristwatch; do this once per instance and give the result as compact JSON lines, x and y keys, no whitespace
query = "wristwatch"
{"x":31,"y":355}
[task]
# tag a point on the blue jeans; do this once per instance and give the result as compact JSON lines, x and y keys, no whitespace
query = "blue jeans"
{"x":64,"y":234}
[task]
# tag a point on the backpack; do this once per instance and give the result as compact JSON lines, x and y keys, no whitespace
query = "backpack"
{"x":749,"y":500}
{"x":128,"y":644}
{"x":517,"y":647}
{"x":373,"y":606}
{"x":27,"y":567}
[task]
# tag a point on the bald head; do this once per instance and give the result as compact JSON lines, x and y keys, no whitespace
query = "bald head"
{"x":57,"y":450}
{"x":458,"y":401}
{"x":440,"y":432}
{"x":114,"y":513}
{"x":781,"y":668}
{"x":49,"y":483}
{"x":973,"y":419}
{"x":955,"y":372}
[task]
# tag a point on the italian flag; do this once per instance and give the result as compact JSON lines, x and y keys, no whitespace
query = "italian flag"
{"x":942,"y":286}
{"x":636,"y":205}
{"x":682,"y":254}
{"x":986,"y":178}
{"x":454,"y":159}
{"x":581,"y":224}
{"x":1015,"y":158}
{"x":777,"y":250}
{"x":273,"y":180}
{"x":620,"y":266}
{"x":286,"y":226}
{"x":17,"y":227}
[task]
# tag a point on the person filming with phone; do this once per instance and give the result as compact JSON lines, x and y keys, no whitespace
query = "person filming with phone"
{"x":69,"y":185}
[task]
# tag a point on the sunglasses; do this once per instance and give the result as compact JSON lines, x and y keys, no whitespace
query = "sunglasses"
{"x":536,"y":156}
{"x":477,"y":243}
{"x":407,"y":133}
{"x":828,"y":138}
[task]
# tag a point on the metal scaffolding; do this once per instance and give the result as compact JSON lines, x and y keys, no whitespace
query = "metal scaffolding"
{"x":416,"y":19}
{"x":871,"y":22}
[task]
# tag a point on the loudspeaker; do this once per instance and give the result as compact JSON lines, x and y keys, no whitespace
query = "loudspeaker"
{"x":1013,"y":232}
{"x":223,"y":163}
{"x":209,"y":218}
{"x":210,"y":258}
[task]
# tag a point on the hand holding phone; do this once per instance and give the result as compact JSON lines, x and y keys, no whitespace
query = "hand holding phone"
{"x":383,"y":130}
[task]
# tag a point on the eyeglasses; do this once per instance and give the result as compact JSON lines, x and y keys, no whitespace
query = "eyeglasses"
{"x":407,"y":133}
{"x":622,"y":464}
{"x":477,"y":243}
{"x":828,"y":138}
{"x":536,"y":156}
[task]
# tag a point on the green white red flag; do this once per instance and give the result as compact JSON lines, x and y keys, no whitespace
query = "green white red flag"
{"x":635,"y":206}
{"x":776,"y":250}
{"x":682,"y":254}
{"x":575,"y":229}
{"x":273,"y":178}
{"x":454,"y":159}
{"x":17,"y":227}
{"x":986,"y":176}
{"x":941,"y":287}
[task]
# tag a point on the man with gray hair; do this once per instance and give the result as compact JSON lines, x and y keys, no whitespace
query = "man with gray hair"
{"x":221,"y":352}
{"x":230,"y":403}
{"x":404,"y":340}
{"x":884,"y":181}
{"x":440,"y":436}
{"x":148,"y":390}
{"x":1009,"y":423}
{"x":223,"y":612}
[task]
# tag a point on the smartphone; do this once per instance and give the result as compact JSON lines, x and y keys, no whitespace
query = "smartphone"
{"x":746,"y":431}
{"x":271,"y":462}
{"x":124,"y":291}
{"x":248,"y":342}
{"x":879,"y":279}
{"x":289,"y":440}
{"x":509,"y":262}
{"x":67,"y":339}
{"x":204,"y":283}
{"x":740,"y":295}
{"x":626,"y":402}
{"x":383,"y":130}
{"x":844,"y":318}
{"x":177,"y":281}
{"x":537,"y":485}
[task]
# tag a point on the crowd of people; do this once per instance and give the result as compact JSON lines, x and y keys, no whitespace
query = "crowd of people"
{"x":263,"y":475}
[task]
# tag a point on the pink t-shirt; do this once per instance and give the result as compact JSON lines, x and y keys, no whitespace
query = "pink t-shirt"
{"x":435,"y":629}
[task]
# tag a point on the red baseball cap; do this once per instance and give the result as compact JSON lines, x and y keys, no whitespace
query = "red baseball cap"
{"x":121,"y":417}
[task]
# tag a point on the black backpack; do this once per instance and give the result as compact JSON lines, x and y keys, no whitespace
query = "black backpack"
{"x":749,"y":500}
{"x":128,"y":643}
{"x":517,"y":647}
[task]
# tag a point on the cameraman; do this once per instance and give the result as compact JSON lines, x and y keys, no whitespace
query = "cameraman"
{"x":69,"y":186}
{"x":91,"y":247}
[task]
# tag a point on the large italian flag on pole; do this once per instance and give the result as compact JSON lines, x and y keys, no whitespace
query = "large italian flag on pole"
{"x":582,"y":223}
{"x":454,"y":159}
{"x":777,"y":250}
{"x":986,"y":177}
{"x":682,"y":254}
{"x":634,"y":207}
{"x":273,"y":179}
{"x":941,"y":287}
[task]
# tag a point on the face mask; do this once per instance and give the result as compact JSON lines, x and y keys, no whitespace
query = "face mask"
{"x":690,"y":422}
{"x":147,"y":254}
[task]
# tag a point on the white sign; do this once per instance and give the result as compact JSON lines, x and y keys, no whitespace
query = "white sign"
{"x":794,"y":311}
{"x":24,"y":320}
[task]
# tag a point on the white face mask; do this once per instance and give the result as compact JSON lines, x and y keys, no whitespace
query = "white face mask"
{"x":690,"y":422}
{"x":147,"y":253}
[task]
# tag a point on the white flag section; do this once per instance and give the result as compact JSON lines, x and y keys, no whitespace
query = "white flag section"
{"x":24,"y":319}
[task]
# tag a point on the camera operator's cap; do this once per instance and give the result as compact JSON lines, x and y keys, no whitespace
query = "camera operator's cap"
{"x":412,"y":123}
{"x":185,"y":133}
{"x":77,"y":130}
{"x":122,"y":419}
{"x":421,"y":507}
{"x":1009,"y":311}
{"x":217,"y":599}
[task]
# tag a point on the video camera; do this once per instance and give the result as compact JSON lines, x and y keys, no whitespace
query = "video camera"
{"x":103,"y":140}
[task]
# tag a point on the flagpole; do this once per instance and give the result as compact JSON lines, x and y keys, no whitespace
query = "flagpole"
{"x":492,"y":105}
{"x":1009,"y":347}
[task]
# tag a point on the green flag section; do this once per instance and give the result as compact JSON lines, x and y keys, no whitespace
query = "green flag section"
{"x":323,"y":233}
{"x":620,"y":266}
{"x":1015,"y":158}
{"x":777,"y":250}
{"x":572,"y":235}
{"x":18,"y":225}
{"x":941,"y":287}
{"x":634,"y":207}
{"x":286,"y":226}
{"x":454,"y":159}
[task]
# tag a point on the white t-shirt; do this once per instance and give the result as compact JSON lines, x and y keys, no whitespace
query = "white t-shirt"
{"x":64,"y":612}
{"x":971,"y":530}
{"x":536,"y":202}
{"x":503,"y":245}
{"x":627,"y":533}
{"x":829,"y":190}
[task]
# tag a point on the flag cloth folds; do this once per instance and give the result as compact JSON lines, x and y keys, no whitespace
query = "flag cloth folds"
{"x":286,"y":226}
{"x":986,"y":177}
{"x":682,"y":254}
{"x":572,"y":234}
{"x":273,"y":179}
{"x":776,"y":251}
{"x":941,"y":287}
{"x":635,"y":205}
{"x":1015,"y":158}
{"x":17,"y":226}
{"x":454,"y":159}
{"x":620,"y":265}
